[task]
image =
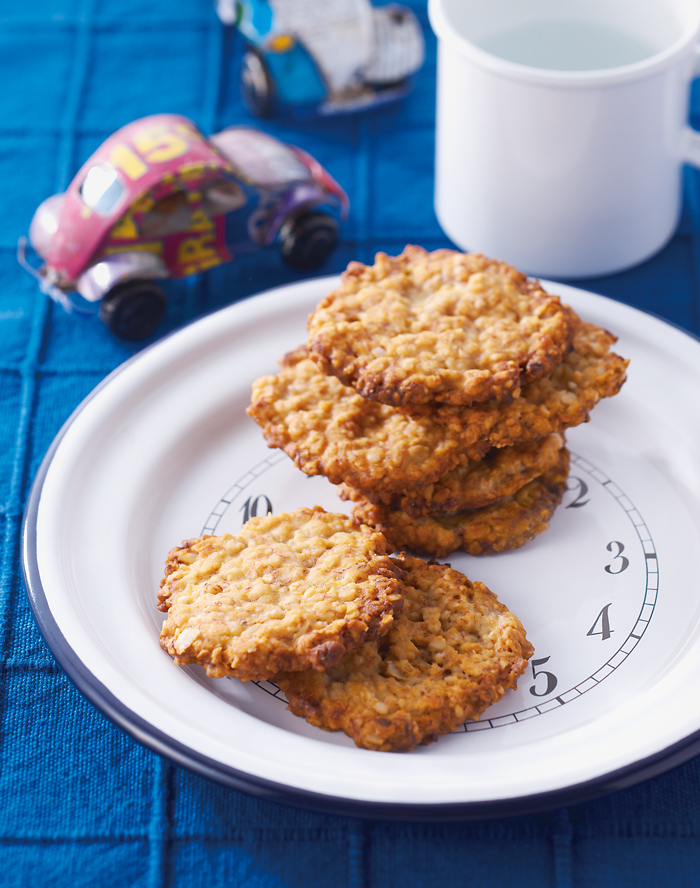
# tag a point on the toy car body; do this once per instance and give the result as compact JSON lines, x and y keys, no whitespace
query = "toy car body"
{"x":329,"y":58}
{"x":159,"y":200}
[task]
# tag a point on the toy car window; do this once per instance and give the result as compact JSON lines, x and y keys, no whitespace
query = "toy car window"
{"x":260,"y":158}
{"x":167,"y":216}
{"x":340,"y":41}
{"x":101,"y":190}
{"x":223,"y":197}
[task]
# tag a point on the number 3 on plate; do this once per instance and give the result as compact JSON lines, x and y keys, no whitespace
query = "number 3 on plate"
{"x":620,"y":561}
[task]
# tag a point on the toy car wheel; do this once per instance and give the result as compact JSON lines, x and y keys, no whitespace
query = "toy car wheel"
{"x":132,"y":310}
{"x":308,"y":240}
{"x":256,"y":84}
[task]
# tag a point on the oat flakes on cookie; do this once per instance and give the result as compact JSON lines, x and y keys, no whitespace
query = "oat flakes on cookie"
{"x":453,"y":650}
{"x":328,"y":429}
{"x":559,"y":401}
{"x":507,"y":524}
{"x":288,"y":592}
{"x":502,"y":472}
{"x":457,"y":328}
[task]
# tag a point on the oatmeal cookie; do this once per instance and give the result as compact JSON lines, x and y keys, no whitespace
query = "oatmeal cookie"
{"x":502,"y":472}
{"x":452,"y":651}
{"x":560,"y":401}
{"x":506,"y":524}
{"x":445,"y":326}
{"x":290,"y":591}
{"x":328,"y":429}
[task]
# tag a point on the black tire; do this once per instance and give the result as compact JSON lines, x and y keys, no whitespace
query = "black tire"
{"x":134,"y":309}
{"x":308,"y":240}
{"x":257,"y":87}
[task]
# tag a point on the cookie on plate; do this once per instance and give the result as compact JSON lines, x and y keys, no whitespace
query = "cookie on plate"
{"x":452,"y":651}
{"x":507,"y":524}
{"x":502,"y":472}
{"x":559,"y":401}
{"x":328,"y":429}
{"x":289,"y":591}
{"x":445,"y":326}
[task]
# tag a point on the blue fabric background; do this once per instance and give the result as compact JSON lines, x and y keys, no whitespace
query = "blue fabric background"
{"x":81,"y":803}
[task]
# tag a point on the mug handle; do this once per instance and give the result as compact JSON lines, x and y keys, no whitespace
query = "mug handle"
{"x":690,"y":149}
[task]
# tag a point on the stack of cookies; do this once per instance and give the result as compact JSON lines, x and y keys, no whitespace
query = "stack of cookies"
{"x":393,"y":651}
{"x":435,"y":390}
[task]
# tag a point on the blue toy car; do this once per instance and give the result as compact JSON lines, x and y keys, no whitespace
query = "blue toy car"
{"x":328,"y":58}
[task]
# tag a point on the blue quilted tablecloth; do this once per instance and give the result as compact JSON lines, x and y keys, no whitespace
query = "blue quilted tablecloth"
{"x":82,"y":803}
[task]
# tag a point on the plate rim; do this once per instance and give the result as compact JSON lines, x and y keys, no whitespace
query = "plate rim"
{"x":155,"y":740}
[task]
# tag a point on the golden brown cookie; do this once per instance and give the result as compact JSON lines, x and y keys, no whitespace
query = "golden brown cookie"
{"x":328,"y":429}
{"x":452,"y":651}
{"x":289,"y":591}
{"x":445,"y":326}
{"x":502,"y":472}
{"x":506,"y":524}
{"x":560,"y":401}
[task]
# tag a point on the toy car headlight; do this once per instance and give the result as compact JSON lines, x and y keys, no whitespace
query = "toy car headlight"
{"x":44,"y":224}
{"x":281,"y":43}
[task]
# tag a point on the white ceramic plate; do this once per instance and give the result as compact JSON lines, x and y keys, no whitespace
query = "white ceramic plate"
{"x":163,"y":450}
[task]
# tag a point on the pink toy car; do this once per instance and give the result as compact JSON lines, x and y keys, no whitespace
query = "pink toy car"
{"x":159,"y":200}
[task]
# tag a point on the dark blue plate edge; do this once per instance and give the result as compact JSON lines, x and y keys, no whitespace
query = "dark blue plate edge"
{"x":166,"y":746}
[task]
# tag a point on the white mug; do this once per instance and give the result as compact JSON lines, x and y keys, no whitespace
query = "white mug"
{"x":562,"y":128}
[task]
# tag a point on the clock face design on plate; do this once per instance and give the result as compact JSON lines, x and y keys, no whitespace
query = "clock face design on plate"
{"x":608,"y":594}
{"x":585,"y":617}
